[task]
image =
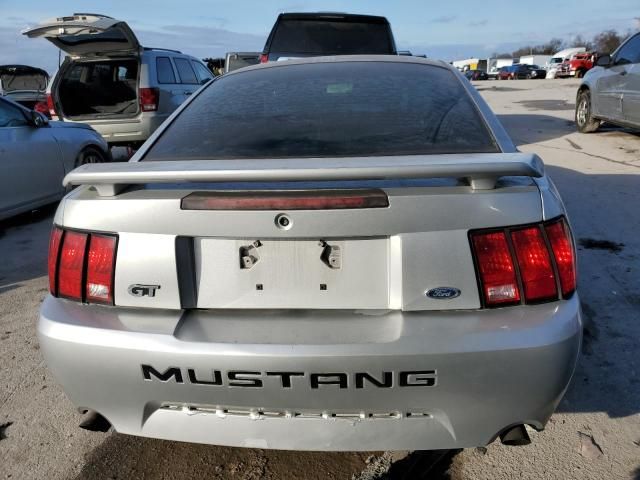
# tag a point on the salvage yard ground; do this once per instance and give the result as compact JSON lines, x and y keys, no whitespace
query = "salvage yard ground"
{"x":595,"y":433}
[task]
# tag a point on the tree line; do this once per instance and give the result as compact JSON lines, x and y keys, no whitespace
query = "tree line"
{"x":603,"y":42}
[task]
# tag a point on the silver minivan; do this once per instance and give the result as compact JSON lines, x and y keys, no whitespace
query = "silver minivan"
{"x":610,"y":91}
{"x":108,"y":80}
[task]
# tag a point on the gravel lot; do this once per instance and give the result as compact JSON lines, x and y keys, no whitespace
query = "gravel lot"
{"x":594,"y":435}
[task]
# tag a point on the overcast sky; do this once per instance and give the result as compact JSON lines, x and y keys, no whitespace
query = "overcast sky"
{"x":448,"y":30}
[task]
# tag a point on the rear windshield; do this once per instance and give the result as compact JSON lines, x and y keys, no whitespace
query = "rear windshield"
{"x":326,"y":110}
{"x":326,"y":37}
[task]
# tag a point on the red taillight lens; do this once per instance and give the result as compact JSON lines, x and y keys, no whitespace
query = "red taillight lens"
{"x":535,"y":248}
{"x":562,"y":246}
{"x":286,"y":200}
{"x":82,"y":266}
{"x":50,"y":106}
{"x":71,"y":264}
{"x":538,"y":279}
{"x":100,"y":263}
{"x":495,"y":266}
{"x":264,"y":58}
{"x":42,"y":107}
{"x":149,"y":99}
{"x":54,"y":250}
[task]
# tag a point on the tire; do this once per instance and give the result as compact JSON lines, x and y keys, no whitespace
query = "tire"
{"x":580,"y":73}
{"x":528,"y":77}
{"x":584,"y":120}
{"x":89,"y":155}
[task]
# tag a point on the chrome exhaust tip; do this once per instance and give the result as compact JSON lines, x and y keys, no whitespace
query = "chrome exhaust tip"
{"x":515,"y":436}
{"x":94,"y":422}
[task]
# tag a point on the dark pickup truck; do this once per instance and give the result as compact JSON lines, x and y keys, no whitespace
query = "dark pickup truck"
{"x":296,"y":35}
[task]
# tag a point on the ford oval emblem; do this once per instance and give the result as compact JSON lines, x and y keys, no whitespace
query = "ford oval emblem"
{"x":443,"y":293}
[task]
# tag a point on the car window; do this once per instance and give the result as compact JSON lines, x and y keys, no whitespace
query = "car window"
{"x":204,"y":74}
{"x":630,"y":52}
{"x":75,"y":72}
{"x":164,"y":70}
{"x":11,"y":116}
{"x":185,"y":72}
{"x":331,"y":37}
{"x":328,"y":110}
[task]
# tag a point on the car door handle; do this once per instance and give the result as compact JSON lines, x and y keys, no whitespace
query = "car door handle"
{"x":187,"y":92}
{"x":623,"y":73}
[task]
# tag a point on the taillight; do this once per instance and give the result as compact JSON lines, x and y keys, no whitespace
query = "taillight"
{"x":264,"y":58}
{"x":71,"y":265}
{"x":562,"y":247}
{"x":82,"y":266}
{"x":100,"y":269}
{"x":51,"y":106}
{"x":54,"y":250}
{"x":286,"y":200}
{"x":524,"y":263}
{"x":495,"y":265}
{"x":42,"y":107}
{"x":536,"y":271}
{"x":149,"y":99}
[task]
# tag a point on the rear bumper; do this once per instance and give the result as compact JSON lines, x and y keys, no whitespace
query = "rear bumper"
{"x":478,"y":373}
{"x":125,"y":131}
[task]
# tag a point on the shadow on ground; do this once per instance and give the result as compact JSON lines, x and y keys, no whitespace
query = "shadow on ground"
{"x":126,"y":457}
{"x":24,"y":241}
{"x":605,"y":380}
{"x":534,"y":128}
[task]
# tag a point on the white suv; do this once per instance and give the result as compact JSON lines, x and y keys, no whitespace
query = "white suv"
{"x":108,"y":80}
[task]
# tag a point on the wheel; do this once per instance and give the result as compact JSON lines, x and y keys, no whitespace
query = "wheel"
{"x":528,"y":77}
{"x":580,"y":74}
{"x":584,"y":121}
{"x":89,"y":155}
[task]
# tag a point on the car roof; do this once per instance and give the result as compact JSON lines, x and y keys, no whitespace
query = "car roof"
{"x":344,"y":59}
{"x":332,"y":16}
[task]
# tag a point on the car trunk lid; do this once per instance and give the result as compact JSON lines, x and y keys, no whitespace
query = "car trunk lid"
{"x":409,"y":238}
{"x":87,"y":34}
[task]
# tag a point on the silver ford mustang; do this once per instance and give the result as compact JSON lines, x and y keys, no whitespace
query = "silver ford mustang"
{"x":338,"y":253}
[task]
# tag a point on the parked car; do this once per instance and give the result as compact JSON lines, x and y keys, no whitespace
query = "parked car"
{"x":371,"y":268}
{"x":109,"y":81}
{"x":476,"y":75}
{"x":236,"y":60}
{"x":610,"y":92}
{"x":315,"y":34}
{"x":577,"y":65}
{"x":520,"y":71}
{"x":36,"y":154}
{"x":25,"y":85}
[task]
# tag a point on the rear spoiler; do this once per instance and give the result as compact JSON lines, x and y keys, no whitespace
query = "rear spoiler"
{"x":481,"y":171}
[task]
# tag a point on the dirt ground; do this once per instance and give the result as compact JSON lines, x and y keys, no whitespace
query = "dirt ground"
{"x":595,"y":433}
